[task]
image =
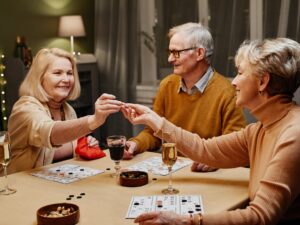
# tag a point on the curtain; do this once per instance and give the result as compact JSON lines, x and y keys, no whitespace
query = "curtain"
{"x":117,"y":53}
{"x":282,"y":19}
{"x":170,"y":14}
{"x":229,"y":25}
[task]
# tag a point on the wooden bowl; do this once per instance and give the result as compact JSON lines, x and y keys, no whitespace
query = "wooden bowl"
{"x":71,"y":218}
{"x":133,"y":178}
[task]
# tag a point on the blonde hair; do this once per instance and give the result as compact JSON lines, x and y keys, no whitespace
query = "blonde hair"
{"x":196,"y":35}
{"x":279,"y":57}
{"x":32,"y":84}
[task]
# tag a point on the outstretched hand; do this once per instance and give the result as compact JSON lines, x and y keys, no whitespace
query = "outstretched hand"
{"x":135,"y":113}
{"x":139,"y":114}
{"x":105,"y":105}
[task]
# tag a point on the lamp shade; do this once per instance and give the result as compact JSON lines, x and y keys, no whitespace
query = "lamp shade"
{"x":71,"y":26}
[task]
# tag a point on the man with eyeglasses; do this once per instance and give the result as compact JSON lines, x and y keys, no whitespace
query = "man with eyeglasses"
{"x":195,"y":97}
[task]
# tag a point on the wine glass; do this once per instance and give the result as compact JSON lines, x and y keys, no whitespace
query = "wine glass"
{"x":5,"y":157}
{"x":169,"y":157}
{"x":116,"y":145}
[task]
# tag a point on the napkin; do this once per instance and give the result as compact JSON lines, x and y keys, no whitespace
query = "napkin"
{"x":87,"y":152}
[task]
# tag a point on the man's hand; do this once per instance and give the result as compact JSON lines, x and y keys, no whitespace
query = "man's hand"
{"x":200,"y":167}
{"x":129,"y":150}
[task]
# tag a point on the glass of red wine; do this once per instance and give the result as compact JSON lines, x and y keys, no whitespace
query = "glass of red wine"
{"x":116,"y":146}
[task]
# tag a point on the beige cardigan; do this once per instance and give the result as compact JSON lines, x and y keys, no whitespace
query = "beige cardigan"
{"x":30,"y":126}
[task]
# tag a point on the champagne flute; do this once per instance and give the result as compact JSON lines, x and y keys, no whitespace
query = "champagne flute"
{"x":5,"y":157}
{"x":116,"y":146}
{"x":169,"y":157}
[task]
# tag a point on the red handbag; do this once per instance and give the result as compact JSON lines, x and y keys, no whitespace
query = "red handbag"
{"x":87,"y":152}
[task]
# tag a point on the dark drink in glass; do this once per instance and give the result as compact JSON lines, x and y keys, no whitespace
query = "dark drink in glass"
{"x":116,"y":151}
{"x":116,"y":145}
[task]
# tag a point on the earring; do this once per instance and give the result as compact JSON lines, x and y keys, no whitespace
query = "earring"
{"x":260,"y":92}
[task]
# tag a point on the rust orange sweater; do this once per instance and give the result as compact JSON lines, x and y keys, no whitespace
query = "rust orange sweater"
{"x":272,"y":149}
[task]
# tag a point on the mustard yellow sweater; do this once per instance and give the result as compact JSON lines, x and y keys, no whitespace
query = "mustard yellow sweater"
{"x":209,"y":114}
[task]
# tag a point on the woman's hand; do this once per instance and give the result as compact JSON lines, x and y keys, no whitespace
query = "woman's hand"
{"x":92,"y":142}
{"x":162,"y":218}
{"x":104,"y":106}
{"x":139,"y":114}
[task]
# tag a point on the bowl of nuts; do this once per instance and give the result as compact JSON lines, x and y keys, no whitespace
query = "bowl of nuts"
{"x":133,"y":178}
{"x":58,"y":214}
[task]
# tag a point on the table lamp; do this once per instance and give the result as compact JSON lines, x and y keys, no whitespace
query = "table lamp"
{"x":71,"y":26}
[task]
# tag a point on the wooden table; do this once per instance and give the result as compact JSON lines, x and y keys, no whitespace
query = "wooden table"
{"x":106,"y":203}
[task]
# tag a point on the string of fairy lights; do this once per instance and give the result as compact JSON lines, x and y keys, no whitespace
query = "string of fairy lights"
{"x":3,"y":118}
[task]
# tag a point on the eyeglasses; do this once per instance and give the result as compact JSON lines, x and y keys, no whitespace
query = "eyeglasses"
{"x":176,"y":53}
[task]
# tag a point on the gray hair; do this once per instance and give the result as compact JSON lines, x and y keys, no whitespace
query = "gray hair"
{"x":197,"y":36}
{"x":279,"y":57}
{"x":32,"y":84}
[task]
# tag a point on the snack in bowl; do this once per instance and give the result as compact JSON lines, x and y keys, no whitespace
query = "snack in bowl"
{"x":133,"y":178}
{"x":58,"y":214}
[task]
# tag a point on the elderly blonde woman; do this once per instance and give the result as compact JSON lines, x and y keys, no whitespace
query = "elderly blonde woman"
{"x":42,"y":125}
{"x":268,"y":75}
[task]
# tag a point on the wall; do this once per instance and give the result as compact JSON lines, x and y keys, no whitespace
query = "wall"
{"x":37,"y":20}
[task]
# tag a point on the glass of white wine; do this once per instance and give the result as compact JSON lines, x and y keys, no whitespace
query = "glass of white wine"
{"x":169,"y":157}
{"x":5,"y":157}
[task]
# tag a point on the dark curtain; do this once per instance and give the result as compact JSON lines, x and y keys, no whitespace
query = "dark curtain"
{"x":271,"y":18}
{"x":271,"y":21}
{"x":117,"y":53}
{"x":170,"y":13}
{"x":229,"y":25}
